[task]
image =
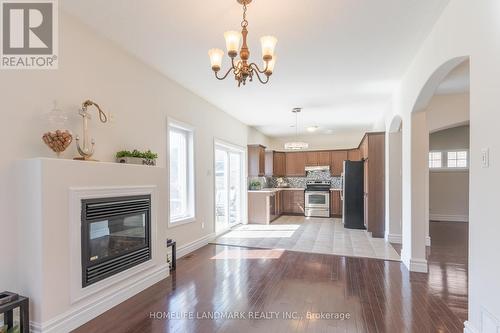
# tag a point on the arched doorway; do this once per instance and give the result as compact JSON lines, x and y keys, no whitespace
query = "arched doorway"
{"x":415,"y":226}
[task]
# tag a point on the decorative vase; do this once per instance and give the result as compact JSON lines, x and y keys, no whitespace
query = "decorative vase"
{"x":58,"y":140}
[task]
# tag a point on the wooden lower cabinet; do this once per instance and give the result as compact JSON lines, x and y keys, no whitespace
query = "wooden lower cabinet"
{"x":292,"y":201}
{"x":335,"y":204}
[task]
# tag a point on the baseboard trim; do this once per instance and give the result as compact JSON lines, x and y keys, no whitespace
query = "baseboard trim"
{"x":78,"y":316}
{"x":194,"y":245}
{"x":394,"y":238}
{"x":448,"y":218}
{"x":469,"y":328}
{"x":414,"y":265}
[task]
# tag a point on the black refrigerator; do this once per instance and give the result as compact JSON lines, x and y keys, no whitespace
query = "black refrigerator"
{"x":353,"y":195}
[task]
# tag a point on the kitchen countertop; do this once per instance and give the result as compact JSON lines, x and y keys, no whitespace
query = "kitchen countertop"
{"x":276,"y":189}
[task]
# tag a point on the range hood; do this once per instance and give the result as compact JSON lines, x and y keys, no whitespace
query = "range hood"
{"x":318,"y":168}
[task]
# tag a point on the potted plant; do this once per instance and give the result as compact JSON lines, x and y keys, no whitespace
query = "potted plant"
{"x":136,"y":157}
{"x":255,"y":185}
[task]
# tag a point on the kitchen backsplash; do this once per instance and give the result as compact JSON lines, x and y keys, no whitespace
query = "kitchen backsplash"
{"x":299,"y":181}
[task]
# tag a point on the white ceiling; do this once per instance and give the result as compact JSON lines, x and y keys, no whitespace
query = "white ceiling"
{"x":338,"y":59}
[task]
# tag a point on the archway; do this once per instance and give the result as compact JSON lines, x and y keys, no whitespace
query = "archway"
{"x":415,"y":226}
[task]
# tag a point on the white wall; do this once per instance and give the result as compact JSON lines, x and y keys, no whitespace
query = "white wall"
{"x":446,"y":111}
{"x":449,"y":189}
{"x":466,"y":28}
{"x":140,"y":100}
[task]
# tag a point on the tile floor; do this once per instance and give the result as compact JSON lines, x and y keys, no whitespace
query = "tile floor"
{"x":314,"y":235}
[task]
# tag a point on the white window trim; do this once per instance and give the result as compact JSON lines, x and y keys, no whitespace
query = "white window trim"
{"x":244,"y":192}
{"x":192,"y":171}
{"x":444,"y":161}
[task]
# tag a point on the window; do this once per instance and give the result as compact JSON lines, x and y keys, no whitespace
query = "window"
{"x":181,"y":169}
{"x":457,"y":159}
{"x":435,"y":159}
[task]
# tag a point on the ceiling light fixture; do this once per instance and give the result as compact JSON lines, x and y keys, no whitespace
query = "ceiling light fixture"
{"x":242,"y":69}
{"x":296,"y":145}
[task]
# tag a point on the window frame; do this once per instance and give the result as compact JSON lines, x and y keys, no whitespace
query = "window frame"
{"x":444,"y":161}
{"x":191,"y":174}
{"x":458,"y":151}
{"x":429,"y":159}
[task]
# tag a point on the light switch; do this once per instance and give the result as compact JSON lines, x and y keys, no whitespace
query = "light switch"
{"x":485,"y":158}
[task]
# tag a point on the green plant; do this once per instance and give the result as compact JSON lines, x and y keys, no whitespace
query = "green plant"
{"x":149,"y":155}
{"x":255,"y":184}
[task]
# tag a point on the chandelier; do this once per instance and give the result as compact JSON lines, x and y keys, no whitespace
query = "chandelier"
{"x":296,"y":145}
{"x":242,"y":69}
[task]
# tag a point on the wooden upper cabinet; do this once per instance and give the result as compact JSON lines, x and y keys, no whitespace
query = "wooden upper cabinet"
{"x":337,"y":162}
{"x":275,"y":164}
{"x":311,"y":158}
{"x":354,"y":155}
{"x":363,"y":148}
{"x":256,"y":160}
{"x":324,"y":158}
{"x":295,"y":164}
{"x":279,"y":164}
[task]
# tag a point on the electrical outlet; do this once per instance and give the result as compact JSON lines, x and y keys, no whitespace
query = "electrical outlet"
{"x":485,"y":158}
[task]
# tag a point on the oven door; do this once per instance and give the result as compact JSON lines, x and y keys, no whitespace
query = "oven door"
{"x":317,"y":199}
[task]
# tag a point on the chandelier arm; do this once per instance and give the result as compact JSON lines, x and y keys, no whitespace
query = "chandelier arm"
{"x":256,"y":67}
{"x":261,"y":81}
{"x":225,"y":75}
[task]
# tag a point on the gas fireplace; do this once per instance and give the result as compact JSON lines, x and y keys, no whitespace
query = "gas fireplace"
{"x":116,"y":235}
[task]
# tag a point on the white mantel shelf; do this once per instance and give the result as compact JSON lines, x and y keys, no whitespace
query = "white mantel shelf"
{"x":48,"y":194}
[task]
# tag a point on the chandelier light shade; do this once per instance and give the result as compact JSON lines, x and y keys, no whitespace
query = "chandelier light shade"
{"x":236,"y":44}
{"x":268,"y":45}
{"x":296,"y":145}
{"x":216,"y":58}
{"x":232,"y":42}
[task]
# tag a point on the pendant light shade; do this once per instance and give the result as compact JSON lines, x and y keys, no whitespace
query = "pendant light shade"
{"x":296,"y":145}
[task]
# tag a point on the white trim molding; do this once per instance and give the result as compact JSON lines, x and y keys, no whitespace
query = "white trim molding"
{"x":76,"y":317}
{"x":195,"y":245}
{"x":394,"y":238}
{"x":414,"y":265}
{"x":448,"y":218}
{"x":469,"y":328}
{"x":76,"y":195}
{"x":428,"y":241}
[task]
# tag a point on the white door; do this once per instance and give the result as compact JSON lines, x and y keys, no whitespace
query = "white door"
{"x":228,"y":187}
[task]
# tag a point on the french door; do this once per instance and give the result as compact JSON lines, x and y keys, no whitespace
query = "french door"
{"x":228,"y":187}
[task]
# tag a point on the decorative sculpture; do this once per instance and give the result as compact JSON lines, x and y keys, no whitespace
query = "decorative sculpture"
{"x":86,"y":149}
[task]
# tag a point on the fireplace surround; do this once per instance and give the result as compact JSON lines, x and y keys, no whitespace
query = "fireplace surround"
{"x":115,"y":235}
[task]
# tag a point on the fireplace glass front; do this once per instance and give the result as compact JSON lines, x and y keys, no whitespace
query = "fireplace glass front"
{"x":115,"y":235}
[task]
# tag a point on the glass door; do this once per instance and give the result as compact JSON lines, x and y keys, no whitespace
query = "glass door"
{"x":228,"y":187}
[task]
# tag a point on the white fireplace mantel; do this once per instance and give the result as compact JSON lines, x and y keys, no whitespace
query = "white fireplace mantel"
{"x":49,"y":193}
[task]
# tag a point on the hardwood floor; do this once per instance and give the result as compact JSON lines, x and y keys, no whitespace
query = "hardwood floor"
{"x":379,"y":296}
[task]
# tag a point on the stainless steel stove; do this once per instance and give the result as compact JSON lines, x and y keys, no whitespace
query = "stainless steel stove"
{"x":317,"y":198}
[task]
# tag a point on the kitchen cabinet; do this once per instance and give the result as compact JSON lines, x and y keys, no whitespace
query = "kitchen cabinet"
{"x":275,"y":164}
{"x":311,"y":158}
{"x":324,"y":158}
{"x":293,"y":202}
{"x":373,"y":151}
{"x":295,"y":164}
{"x":317,"y":158}
{"x":335,"y":204}
{"x":337,"y":162}
{"x":354,"y":155}
{"x":256,"y":160}
{"x":279,"y":203}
